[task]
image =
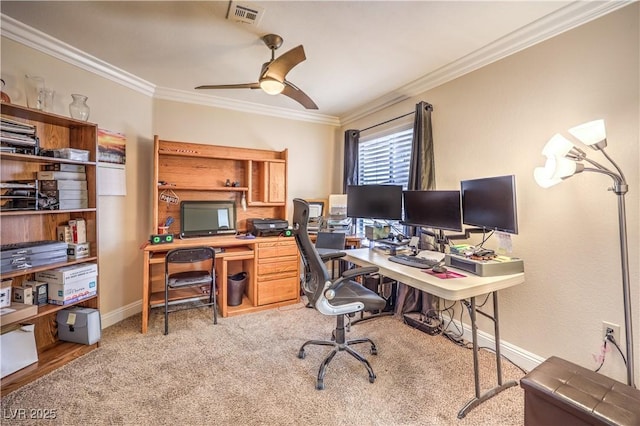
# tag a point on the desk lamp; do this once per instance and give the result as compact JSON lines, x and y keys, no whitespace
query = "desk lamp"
{"x":563,"y":161}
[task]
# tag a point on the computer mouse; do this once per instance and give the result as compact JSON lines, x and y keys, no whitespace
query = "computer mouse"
{"x":438,"y":269}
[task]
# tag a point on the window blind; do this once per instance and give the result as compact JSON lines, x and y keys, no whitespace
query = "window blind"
{"x":384,"y":160}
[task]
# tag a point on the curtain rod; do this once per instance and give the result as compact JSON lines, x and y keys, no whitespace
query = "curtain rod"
{"x":388,"y":121}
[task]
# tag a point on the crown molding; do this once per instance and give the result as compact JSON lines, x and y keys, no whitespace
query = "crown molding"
{"x":42,"y":42}
{"x":28,"y":36}
{"x":573,"y":15}
{"x":564,"y":19}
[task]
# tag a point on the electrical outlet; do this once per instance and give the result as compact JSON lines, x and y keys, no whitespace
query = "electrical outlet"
{"x":615,"y":329}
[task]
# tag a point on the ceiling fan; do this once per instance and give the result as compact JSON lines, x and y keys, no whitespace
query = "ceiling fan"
{"x":272,"y":76}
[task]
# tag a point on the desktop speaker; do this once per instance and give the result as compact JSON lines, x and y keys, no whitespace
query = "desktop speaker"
{"x":161,"y":238}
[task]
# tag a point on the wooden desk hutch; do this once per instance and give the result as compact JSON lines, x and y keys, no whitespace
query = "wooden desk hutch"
{"x":189,"y":171}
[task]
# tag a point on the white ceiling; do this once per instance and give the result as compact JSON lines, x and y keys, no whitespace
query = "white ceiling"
{"x":361,"y":55}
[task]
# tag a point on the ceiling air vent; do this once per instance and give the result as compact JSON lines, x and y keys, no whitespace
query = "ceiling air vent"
{"x":246,"y":13}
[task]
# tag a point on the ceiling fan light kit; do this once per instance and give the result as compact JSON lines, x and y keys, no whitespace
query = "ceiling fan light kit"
{"x":272,"y":78}
{"x":271,"y":86}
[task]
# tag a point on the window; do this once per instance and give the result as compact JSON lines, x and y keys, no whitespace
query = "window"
{"x":384,"y":160}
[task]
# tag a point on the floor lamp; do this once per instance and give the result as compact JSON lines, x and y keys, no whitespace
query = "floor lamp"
{"x":564,"y":160}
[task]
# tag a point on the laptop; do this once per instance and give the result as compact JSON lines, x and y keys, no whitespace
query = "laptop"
{"x":330,"y":242}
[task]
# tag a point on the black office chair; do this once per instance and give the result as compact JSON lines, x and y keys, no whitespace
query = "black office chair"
{"x":337,"y":298}
{"x":176,"y":277}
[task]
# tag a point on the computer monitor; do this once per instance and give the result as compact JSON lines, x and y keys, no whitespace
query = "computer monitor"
{"x":433,"y":209}
{"x":374,"y":202}
{"x":490,"y":203}
{"x":203,"y":218}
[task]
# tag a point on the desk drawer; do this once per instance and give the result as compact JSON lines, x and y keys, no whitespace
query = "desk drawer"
{"x":277,"y":249}
{"x":278,"y":265}
{"x":278,"y":290}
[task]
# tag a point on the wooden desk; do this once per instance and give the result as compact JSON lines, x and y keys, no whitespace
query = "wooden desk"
{"x":468,"y":287}
{"x":272,"y":264}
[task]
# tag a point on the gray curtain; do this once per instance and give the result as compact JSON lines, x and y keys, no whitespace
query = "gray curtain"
{"x":421,"y":176}
{"x":350,"y":174}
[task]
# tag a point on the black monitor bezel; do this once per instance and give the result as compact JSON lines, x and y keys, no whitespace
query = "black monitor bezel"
{"x":374,"y":192}
{"x":508,"y":200}
{"x":453,"y":224}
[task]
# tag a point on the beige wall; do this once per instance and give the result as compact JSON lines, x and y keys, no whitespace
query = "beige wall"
{"x":490,"y":122}
{"x":495,"y":121}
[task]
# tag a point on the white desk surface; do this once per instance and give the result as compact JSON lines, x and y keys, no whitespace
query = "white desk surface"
{"x":451,"y":289}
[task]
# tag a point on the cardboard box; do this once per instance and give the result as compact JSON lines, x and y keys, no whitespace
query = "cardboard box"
{"x":17,"y":312}
{"x":62,"y":167}
{"x":55,"y":204}
{"x":73,"y":291}
{"x":40,"y":291}
{"x":51,"y":175}
{"x":64,"y":234}
{"x":18,"y":348}
{"x":67,"y":273}
{"x":78,"y":230}
{"x":23,"y":295}
{"x":78,"y":251}
{"x":72,"y":154}
{"x":56,"y":185}
{"x":5,"y":292}
{"x":79,"y":325}
{"x":376,"y":232}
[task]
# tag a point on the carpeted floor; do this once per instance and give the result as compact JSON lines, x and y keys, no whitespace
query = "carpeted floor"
{"x":245,"y":371}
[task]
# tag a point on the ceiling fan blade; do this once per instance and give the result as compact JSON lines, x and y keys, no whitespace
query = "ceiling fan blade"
{"x":279,"y":67}
{"x":230,"y":86}
{"x":298,"y":95}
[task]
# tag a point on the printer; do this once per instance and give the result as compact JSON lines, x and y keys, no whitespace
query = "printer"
{"x":267,"y":227}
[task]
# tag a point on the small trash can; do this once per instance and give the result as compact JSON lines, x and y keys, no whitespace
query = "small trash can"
{"x":235,"y":288}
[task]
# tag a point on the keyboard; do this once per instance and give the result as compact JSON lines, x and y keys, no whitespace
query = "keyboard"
{"x":413,"y":261}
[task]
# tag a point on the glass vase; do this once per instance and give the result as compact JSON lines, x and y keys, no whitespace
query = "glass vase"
{"x":79,"y":108}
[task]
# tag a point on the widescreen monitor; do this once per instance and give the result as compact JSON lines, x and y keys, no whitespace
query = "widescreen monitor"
{"x":374,"y":202}
{"x":203,"y":218}
{"x":433,"y":209}
{"x":490,"y":203}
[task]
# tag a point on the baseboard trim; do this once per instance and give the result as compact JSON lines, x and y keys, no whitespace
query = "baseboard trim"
{"x":120,"y":314}
{"x":518,"y":356}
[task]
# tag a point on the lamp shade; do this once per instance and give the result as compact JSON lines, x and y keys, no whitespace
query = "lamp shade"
{"x":271,"y":86}
{"x":590,"y":133}
{"x":542,"y":178}
{"x":558,"y":146}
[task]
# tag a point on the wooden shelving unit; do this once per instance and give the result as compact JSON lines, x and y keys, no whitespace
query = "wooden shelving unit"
{"x":18,"y":226}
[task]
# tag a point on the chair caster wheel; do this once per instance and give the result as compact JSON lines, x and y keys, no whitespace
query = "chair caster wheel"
{"x":301,"y":354}
{"x":374,"y":351}
{"x":320,"y":385}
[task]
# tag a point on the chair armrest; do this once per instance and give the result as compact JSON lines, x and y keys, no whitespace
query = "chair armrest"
{"x":352,"y":273}
{"x":331,"y":256}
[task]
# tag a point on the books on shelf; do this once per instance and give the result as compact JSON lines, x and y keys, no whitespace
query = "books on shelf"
{"x":18,"y":195}
{"x":18,"y":137}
